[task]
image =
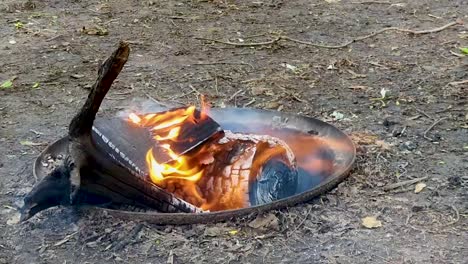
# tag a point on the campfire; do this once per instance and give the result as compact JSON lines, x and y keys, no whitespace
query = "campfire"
{"x":180,"y":160}
{"x":190,"y":156}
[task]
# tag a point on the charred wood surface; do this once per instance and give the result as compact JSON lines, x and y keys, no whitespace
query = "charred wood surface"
{"x":91,"y":176}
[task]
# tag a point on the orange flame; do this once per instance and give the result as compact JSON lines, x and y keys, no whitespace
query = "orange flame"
{"x":166,"y":129}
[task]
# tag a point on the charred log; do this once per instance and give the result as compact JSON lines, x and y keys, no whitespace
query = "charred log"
{"x":90,"y":175}
{"x":62,"y":185}
{"x":53,"y":190}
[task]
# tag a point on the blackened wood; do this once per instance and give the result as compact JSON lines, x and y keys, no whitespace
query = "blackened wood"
{"x":127,"y":144}
{"x":94,"y":173}
{"x":103,"y":176}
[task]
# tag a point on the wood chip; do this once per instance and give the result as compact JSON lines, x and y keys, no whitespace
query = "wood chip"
{"x":371,"y":222}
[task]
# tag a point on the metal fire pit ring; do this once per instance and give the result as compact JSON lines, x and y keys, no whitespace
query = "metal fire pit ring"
{"x":244,"y":119}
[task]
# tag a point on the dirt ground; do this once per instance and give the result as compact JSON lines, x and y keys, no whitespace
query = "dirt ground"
{"x":51,"y":51}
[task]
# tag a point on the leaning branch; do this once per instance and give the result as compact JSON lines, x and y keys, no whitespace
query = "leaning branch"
{"x":83,"y":121}
{"x":339,"y":46}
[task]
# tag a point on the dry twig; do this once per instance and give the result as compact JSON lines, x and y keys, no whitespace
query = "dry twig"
{"x":194,"y":89}
{"x":339,"y":46}
{"x":431,"y":127}
{"x":249,"y":102}
{"x":373,"y":2}
{"x":422,"y":113}
{"x":234,"y":95}
{"x":224,"y":63}
{"x":303,"y":220}
{"x":458,"y":83}
{"x":65,"y":239}
{"x":457,"y":216}
{"x":403,"y":183}
{"x":158,"y":101}
{"x":252,"y":44}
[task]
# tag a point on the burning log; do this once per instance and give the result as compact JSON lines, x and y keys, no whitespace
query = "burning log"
{"x":229,"y":171}
{"x":175,"y":161}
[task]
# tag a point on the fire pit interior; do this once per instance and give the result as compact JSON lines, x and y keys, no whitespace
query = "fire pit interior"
{"x":187,"y":165}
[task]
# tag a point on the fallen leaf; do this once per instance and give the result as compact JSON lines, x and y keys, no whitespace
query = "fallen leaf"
{"x":19,"y":25}
{"x":272,"y":105}
{"x":35,"y":85}
{"x":233,"y":232}
{"x":464,"y":50}
{"x":14,"y":219}
{"x":6,"y":84}
{"x":289,"y":67}
{"x":269,"y":221}
{"x":383,"y":145}
{"x":337,"y":115}
{"x":363,"y":138}
{"x":256,"y":90}
{"x":95,"y":30}
{"x":371,"y":222}
{"x":214,"y":231}
{"x":419,"y":187}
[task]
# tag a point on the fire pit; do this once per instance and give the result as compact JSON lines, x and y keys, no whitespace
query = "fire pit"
{"x":184,"y":165}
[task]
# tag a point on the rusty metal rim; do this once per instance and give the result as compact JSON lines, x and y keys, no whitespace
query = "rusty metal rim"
{"x":60,"y":146}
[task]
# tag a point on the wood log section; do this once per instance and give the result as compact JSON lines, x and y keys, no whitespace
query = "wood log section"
{"x":105,"y":164}
{"x":237,"y":173}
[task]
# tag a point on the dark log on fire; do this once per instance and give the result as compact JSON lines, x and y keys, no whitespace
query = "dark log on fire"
{"x":89,"y":175}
